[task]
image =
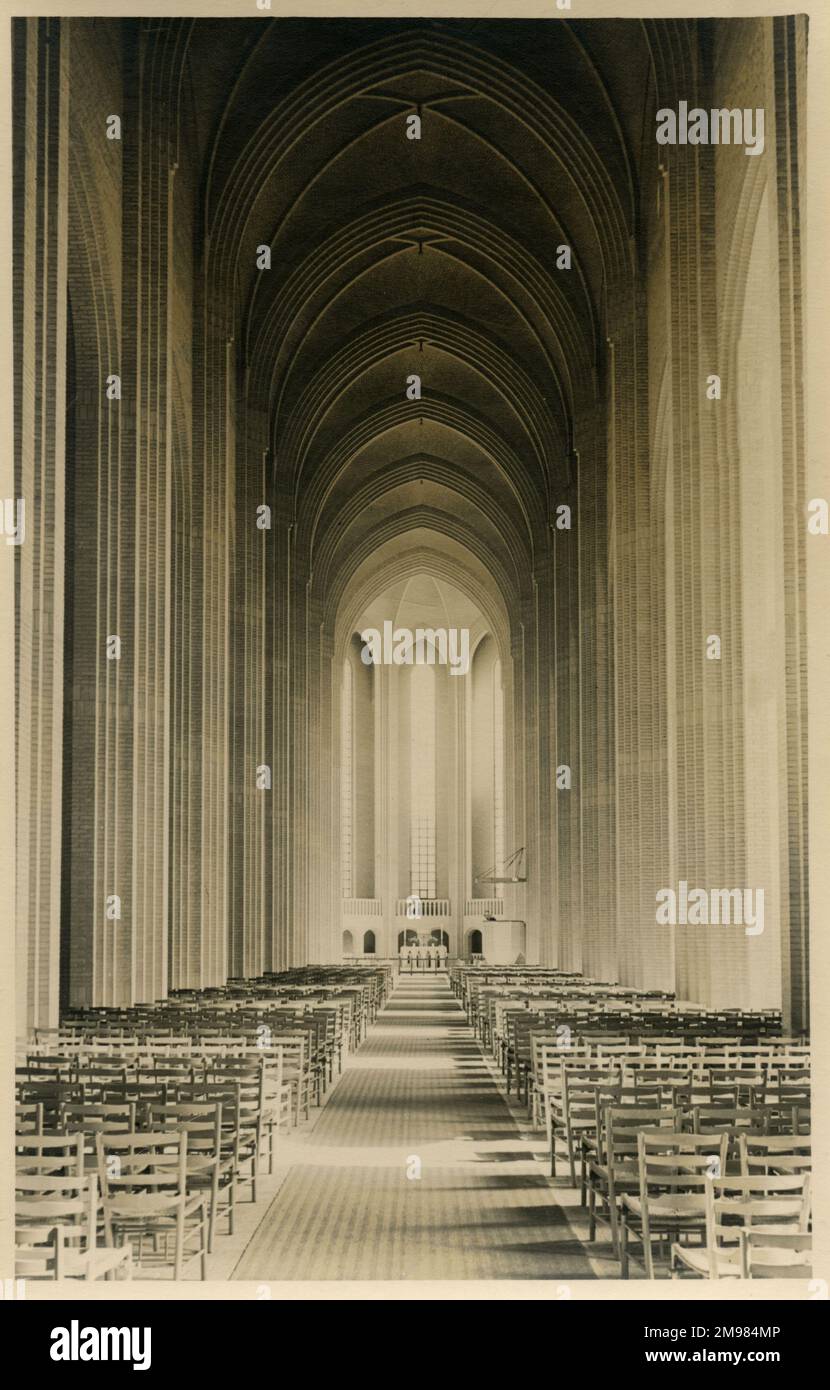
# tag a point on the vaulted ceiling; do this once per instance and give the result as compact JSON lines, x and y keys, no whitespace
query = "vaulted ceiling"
{"x":392,"y":256}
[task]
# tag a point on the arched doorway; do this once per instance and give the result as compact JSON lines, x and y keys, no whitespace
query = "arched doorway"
{"x":348,"y":944}
{"x":369,"y":943}
{"x":474,"y":943}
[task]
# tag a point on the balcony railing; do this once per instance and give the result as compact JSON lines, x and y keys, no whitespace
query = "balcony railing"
{"x":362,"y":907}
{"x":484,"y":907}
{"x":423,"y":907}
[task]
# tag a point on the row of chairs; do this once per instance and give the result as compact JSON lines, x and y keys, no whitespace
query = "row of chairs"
{"x":583,"y":1002}
{"x":280,"y":1077}
{"x":576,"y":1110}
{"x":356,"y":992}
{"x":686,"y":1132}
{"x":138,"y":1131}
{"x":227,"y":1127}
{"x":537,"y":1069}
{"x":709,"y":1076}
{"x":641,"y":1152}
{"x":312,"y":1047}
{"x":498,"y":1016}
{"x":659,"y":1186}
{"x":153,"y":1192}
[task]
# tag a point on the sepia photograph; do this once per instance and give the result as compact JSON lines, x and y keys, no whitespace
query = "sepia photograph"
{"x":415,"y":590}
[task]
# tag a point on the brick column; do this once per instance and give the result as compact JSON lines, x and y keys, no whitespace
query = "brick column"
{"x":790,"y":78}
{"x":643,"y":949}
{"x":597,"y":956}
{"x":279,"y":865}
{"x":567,"y":714}
{"x":249,"y":894}
{"x":707,"y":737}
{"x":40,"y":281}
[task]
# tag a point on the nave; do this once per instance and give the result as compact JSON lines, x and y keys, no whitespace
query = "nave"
{"x":326,"y":1129}
{"x":417,"y":1093}
{"x":338,"y":1123}
{"x":410,"y":327}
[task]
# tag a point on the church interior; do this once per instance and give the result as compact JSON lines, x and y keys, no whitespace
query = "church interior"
{"x":456,"y":951}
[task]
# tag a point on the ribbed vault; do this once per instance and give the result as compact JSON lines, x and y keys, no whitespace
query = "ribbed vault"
{"x":463,"y":266}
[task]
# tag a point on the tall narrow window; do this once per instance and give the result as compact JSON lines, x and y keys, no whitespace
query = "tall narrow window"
{"x":498,"y":770}
{"x":422,"y":765}
{"x":347,"y":782}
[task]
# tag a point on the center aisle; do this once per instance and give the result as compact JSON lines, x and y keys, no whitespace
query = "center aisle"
{"x":417,"y":1092}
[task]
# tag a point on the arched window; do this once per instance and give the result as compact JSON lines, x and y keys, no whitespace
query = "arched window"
{"x":369,"y":943}
{"x":346,"y":782}
{"x":348,"y":943}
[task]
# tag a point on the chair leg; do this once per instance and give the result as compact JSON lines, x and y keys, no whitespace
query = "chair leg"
{"x":572,"y":1160}
{"x":214,"y":1203}
{"x":647,"y":1255}
{"x":613,"y":1216}
{"x":179,"y":1258}
{"x":624,"y":1250}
